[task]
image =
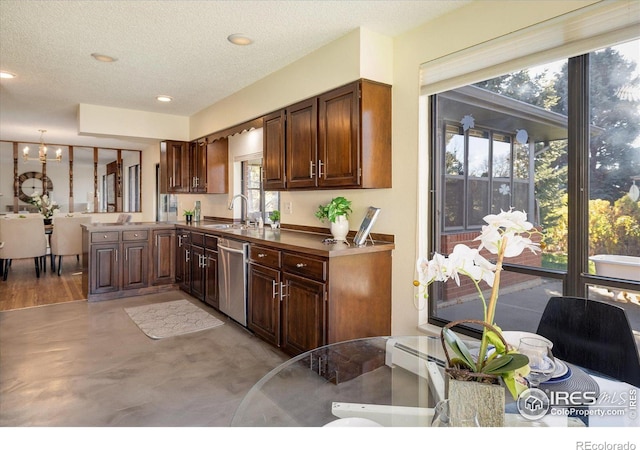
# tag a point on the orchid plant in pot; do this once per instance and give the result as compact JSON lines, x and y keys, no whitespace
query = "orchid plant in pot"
{"x":507,"y":234}
{"x":45,"y":205}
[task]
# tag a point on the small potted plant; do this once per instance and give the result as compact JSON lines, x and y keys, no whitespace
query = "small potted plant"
{"x":188,"y":214}
{"x":337,"y":212}
{"x":274,"y":216}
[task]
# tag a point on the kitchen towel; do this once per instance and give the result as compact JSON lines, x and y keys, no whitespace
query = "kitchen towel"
{"x":161,"y":320}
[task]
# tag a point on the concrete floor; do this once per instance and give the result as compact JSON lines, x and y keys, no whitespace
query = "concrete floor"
{"x":87,"y":364}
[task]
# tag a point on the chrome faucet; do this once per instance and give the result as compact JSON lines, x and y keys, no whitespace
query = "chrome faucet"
{"x":246,"y":204}
{"x":244,"y":197}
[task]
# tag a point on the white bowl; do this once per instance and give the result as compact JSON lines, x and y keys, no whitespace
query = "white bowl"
{"x":513,"y":337}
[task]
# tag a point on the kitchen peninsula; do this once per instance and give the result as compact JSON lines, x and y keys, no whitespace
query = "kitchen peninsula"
{"x":300,"y":291}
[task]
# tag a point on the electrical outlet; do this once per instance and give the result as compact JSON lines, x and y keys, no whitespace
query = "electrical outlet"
{"x":288,"y":208}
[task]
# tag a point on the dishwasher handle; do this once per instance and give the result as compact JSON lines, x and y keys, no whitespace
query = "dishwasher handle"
{"x":229,"y":249}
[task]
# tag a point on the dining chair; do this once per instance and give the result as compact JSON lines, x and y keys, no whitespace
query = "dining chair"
{"x":592,"y":334}
{"x":22,"y":238}
{"x":66,"y":238}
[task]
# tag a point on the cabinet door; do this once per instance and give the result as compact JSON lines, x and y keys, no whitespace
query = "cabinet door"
{"x":197,"y":272}
{"x":164,"y":257}
{"x":198,"y":164}
{"x":105,"y":268}
{"x":177,"y":166}
{"x":135,"y":264}
{"x":183,"y":251}
{"x":273,"y":158}
{"x":338,"y":141}
{"x":211,"y":279}
{"x":302,"y":144}
{"x":218,"y":166}
{"x":303,"y":314}
{"x":264,"y":303}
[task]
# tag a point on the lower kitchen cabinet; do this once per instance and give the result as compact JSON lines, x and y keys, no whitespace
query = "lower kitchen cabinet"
{"x":299,"y":302}
{"x":197,"y":265}
{"x":164,"y":259}
{"x":303,"y":314}
{"x":135,"y":265}
{"x":264,"y":304}
{"x":118,"y":260}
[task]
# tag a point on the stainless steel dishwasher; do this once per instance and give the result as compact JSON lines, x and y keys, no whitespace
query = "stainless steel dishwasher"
{"x":232,"y":278}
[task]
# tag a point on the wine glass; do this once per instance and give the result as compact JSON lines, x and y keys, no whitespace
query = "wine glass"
{"x":541,"y":360}
{"x":442,"y":416}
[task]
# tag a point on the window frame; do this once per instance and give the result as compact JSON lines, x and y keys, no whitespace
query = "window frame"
{"x":576,"y":278}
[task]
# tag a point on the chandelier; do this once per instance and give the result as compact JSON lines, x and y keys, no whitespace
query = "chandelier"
{"x":42,"y":151}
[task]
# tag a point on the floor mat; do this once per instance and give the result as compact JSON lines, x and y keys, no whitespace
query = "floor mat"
{"x":161,"y":320}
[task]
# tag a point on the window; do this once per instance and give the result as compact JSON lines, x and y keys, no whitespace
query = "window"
{"x":518,"y":140}
{"x":259,"y":202}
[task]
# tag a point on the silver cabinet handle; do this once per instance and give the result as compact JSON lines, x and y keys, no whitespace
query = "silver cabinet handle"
{"x":282,"y":289}
{"x":261,"y":255}
{"x":274,"y":294}
{"x":116,"y":255}
{"x":311,"y":169}
{"x":186,"y":256}
{"x":300,"y":265}
{"x":179,"y":240}
{"x":320,"y":164}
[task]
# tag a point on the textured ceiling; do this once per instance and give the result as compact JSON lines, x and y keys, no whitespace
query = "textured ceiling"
{"x":178,"y":48}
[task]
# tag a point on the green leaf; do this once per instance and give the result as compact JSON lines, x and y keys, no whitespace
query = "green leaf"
{"x":517,"y":361}
{"x":459,"y":348}
{"x":497,"y":365}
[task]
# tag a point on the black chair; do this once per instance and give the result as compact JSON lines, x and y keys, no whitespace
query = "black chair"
{"x":592,"y":334}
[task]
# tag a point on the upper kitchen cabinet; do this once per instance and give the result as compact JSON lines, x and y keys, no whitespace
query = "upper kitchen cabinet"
{"x":195,"y":167}
{"x":340,"y":139}
{"x":198,"y":166}
{"x":218,"y":166}
{"x":174,"y":167}
{"x":273,"y":156}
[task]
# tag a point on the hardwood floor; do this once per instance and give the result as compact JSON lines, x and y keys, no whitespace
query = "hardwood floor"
{"x":23,"y":290}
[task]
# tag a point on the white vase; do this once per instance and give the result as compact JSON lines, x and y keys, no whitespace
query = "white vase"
{"x":340,"y":228}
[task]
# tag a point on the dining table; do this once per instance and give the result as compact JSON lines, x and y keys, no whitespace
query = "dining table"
{"x":396,"y":381}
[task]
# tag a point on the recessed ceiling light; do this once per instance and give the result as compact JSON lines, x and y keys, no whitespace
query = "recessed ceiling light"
{"x":103,"y":58}
{"x":164,"y":98}
{"x":239,"y":39}
{"x":4,"y":74}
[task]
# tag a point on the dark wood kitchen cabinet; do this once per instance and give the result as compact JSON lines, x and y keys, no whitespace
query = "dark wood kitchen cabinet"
{"x":340,"y":139}
{"x":299,"y":301}
{"x":218,"y":166}
{"x":164,"y":259}
{"x":123,"y":260}
{"x":135,"y":262}
{"x":265,"y":295}
{"x":273,"y":151}
{"x":194,"y":167}
{"x":198,"y":166}
{"x":183,"y":249}
{"x":174,"y":167}
{"x":197,"y":265}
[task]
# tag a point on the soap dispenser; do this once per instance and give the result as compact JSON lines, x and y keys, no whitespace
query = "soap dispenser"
{"x":196,"y":211}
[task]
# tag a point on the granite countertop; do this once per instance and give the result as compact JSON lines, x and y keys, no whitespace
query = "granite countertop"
{"x":302,"y":241}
